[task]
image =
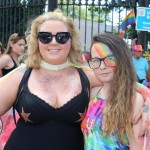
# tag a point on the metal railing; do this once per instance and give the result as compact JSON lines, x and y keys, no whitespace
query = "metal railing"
{"x":16,"y":15}
{"x":90,"y":16}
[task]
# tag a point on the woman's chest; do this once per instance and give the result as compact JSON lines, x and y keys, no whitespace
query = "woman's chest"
{"x":34,"y":109}
{"x":56,"y":90}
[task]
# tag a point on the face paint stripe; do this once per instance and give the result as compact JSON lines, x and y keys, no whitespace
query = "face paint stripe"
{"x":99,"y":50}
{"x":102,"y":50}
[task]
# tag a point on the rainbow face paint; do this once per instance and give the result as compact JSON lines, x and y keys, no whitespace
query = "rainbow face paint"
{"x":102,"y":51}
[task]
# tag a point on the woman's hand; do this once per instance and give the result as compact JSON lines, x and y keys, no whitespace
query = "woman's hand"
{"x":145,"y":115}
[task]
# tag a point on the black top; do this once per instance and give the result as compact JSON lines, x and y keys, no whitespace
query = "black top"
{"x":47,"y":128}
{"x":6,"y":71}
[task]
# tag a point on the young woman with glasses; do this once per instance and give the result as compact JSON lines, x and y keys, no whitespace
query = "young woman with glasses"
{"x":53,"y":88}
{"x":108,"y":122}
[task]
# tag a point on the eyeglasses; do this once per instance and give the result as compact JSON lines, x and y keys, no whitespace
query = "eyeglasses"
{"x":109,"y":61}
{"x":46,"y":37}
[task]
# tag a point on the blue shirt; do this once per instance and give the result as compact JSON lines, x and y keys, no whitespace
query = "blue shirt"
{"x":141,"y":66}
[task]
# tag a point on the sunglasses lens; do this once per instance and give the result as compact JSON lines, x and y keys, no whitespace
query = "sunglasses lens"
{"x":62,"y":37}
{"x":110,"y":61}
{"x":44,"y":38}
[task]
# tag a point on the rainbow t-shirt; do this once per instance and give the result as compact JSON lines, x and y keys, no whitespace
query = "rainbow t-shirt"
{"x":92,"y":129}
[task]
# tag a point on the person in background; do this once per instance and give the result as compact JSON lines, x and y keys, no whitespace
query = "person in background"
{"x":140,"y":63}
{"x":8,"y":62}
{"x":2,"y":50}
{"x":108,"y":121}
{"x":85,"y":56}
{"x":15,"y":48}
{"x":147,"y":81}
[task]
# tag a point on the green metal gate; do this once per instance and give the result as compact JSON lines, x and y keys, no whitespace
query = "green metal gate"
{"x":90,"y":16}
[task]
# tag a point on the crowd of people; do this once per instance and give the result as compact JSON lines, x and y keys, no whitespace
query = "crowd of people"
{"x":63,"y":103}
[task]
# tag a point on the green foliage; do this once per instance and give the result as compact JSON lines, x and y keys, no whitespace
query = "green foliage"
{"x":75,"y":10}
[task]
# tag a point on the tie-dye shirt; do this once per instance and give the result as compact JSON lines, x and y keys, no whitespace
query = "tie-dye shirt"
{"x":92,"y":129}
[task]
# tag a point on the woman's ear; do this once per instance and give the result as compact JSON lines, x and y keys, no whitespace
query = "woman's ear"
{"x":11,"y":44}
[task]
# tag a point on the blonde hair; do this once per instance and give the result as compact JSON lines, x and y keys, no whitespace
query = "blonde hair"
{"x":119,"y":109}
{"x":14,"y":38}
{"x":34,"y":56}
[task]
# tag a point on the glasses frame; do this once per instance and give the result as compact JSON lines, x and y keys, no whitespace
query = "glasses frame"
{"x":100,"y":60}
{"x":52,"y":35}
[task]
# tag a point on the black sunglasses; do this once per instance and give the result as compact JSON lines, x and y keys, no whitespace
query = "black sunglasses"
{"x":46,"y":37}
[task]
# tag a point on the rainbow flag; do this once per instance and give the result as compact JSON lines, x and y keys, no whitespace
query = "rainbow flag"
{"x":129,"y":19}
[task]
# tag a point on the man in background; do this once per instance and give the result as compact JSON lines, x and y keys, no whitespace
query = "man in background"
{"x":140,"y":63}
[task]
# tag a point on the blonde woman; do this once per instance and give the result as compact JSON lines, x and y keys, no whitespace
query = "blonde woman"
{"x":54,"y":92}
{"x":15,"y":48}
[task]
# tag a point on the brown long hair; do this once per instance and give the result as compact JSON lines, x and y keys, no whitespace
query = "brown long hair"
{"x":119,"y":110}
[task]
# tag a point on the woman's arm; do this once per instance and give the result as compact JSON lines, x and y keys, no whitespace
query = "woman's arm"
{"x":9,"y":85}
{"x":137,"y":142}
{"x":5,"y":60}
{"x":144,"y":115}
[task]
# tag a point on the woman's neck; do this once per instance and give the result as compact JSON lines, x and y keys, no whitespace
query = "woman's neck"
{"x":14,"y":56}
{"x":104,"y":91}
{"x":48,"y":66}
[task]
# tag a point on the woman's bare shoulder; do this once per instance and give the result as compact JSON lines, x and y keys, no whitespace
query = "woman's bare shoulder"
{"x":4,"y":60}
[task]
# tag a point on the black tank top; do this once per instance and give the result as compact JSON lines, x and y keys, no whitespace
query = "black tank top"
{"x":47,"y":128}
{"x":6,"y":71}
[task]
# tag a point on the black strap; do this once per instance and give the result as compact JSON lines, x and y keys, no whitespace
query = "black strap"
{"x":20,"y":89}
{"x":15,"y":64}
{"x":86,"y":79}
